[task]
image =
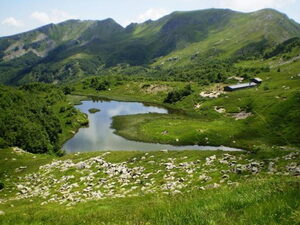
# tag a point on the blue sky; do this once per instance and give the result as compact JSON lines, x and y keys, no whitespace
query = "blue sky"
{"x":22,"y":15}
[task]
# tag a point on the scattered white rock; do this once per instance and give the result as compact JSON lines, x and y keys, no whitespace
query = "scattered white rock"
{"x":197,"y":106}
{"x":70,"y":182}
{"x":80,"y":165}
{"x":18,"y":150}
{"x":220,"y":109}
{"x":204,"y":178}
{"x":241,"y":115}
{"x":239,"y":79}
{"x":211,"y":94}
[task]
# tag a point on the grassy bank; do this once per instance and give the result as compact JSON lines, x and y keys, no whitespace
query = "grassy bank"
{"x":71,"y":119}
{"x":178,"y":130}
{"x":176,"y":187}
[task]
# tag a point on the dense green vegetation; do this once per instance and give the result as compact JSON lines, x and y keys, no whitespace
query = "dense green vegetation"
{"x":94,"y":110}
{"x":283,"y":48}
{"x":175,"y":96}
{"x":36,"y":118}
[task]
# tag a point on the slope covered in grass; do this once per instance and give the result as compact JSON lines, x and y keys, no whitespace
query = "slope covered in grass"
{"x":179,"y":39}
{"x":176,"y":187}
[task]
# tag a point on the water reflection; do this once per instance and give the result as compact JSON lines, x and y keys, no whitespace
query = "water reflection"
{"x":100,"y":137}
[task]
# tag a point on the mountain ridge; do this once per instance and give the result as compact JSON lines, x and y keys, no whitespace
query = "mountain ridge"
{"x":147,"y":21}
{"x":214,"y":32}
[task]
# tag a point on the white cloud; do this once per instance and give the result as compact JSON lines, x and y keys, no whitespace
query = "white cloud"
{"x":11,"y":21}
{"x":55,"y":16}
{"x":41,"y":17}
{"x":152,"y":14}
{"x":251,"y":5}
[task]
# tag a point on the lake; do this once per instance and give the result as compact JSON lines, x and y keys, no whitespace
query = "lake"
{"x":99,"y":136}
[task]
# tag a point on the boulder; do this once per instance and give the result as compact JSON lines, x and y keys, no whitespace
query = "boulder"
{"x":225,"y":176}
{"x":211,"y":186}
{"x":204,"y":178}
{"x":81,"y":165}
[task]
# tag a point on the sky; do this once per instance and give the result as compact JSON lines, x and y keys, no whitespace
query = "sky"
{"x":22,"y":15}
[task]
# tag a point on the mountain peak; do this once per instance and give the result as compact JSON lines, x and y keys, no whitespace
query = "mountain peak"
{"x":109,"y":20}
{"x":214,"y":31}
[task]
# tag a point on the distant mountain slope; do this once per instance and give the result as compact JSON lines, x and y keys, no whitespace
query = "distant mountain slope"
{"x":246,"y":35}
{"x":75,"y":48}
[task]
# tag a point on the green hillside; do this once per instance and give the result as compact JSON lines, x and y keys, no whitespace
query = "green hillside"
{"x":75,"y":49}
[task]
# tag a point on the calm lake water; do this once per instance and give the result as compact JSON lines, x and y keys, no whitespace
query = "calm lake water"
{"x":99,"y":136}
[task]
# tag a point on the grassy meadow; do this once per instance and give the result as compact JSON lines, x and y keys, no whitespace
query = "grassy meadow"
{"x":164,"y":192}
{"x":271,"y":109}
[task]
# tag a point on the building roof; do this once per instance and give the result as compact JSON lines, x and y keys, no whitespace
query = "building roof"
{"x":243,"y":85}
{"x":257,"y":79}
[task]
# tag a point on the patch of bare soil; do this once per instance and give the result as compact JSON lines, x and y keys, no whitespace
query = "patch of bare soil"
{"x":154,"y":88}
{"x":213,"y":93}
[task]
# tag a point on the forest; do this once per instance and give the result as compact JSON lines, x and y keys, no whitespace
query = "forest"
{"x":30,"y":118}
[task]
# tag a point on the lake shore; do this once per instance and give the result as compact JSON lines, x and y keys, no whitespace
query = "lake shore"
{"x":100,"y":134}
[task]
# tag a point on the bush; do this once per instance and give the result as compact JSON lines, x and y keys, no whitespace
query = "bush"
{"x":3,"y":143}
{"x":99,"y":85}
{"x":62,"y":109}
{"x":1,"y":186}
{"x":266,"y":88}
{"x":67,"y":90}
{"x":175,"y":96}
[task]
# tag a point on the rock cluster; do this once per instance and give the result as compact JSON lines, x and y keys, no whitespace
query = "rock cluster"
{"x":72,"y":181}
{"x":19,"y":151}
{"x":212,"y":94}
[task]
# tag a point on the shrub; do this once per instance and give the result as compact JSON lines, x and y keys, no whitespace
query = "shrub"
{"x":1,"y":186}
{"x":266,"y":88}
{"x":175,"y":96}
{"x":62,"y":109}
